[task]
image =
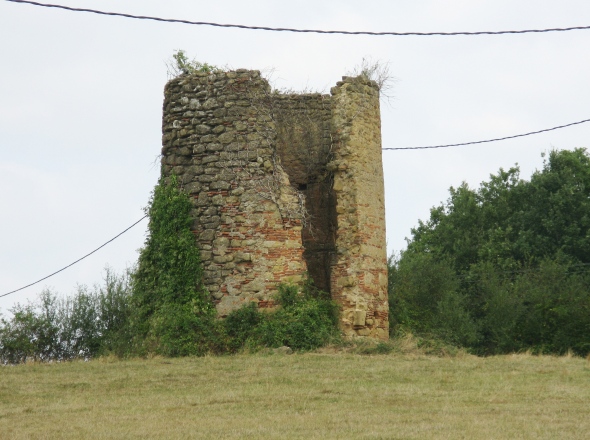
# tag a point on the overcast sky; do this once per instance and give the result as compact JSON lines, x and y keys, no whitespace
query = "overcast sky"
{"x":81,"y":101}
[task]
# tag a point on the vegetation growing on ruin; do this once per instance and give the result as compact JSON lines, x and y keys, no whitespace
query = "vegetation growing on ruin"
{"x":181,"y":64}
{"x":163,"y":308}
{"x":505,"y":267}
{"x":378,"y":71}
{"x":172,"y":312}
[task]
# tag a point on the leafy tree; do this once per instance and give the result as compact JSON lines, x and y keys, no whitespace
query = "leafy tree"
{"x":424,"y":296}
{"x":492,"y":250}
{"x":509,"y":220}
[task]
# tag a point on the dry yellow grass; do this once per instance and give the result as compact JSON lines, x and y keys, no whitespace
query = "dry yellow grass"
{"x":300,"y":396}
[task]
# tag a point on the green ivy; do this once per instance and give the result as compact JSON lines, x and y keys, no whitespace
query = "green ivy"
{"x":169,"y":298}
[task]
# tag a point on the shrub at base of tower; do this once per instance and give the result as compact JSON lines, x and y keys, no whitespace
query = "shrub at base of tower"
{"x":306,"y":320}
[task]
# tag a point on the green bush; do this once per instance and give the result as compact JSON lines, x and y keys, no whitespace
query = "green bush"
{"x":114,"y":303}
{"x":542,"y":308}
{"x":424,"y":296}
{"x":182,"y":65}
{"x":240,"y":326}
{"x":496,"y":307}
{"x":24,"y":336}
{"x":556,"y":305}
{"x":89,"y":323}
{"x":303,"y":321}
{"x":177,"y":330}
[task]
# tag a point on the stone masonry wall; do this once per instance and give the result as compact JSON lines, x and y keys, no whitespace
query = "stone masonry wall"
{"x":218,"y":139}
{"x":359,"y":271}
{"x":283,"y":185}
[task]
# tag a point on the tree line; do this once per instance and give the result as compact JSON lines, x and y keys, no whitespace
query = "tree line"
{"x":504,"y":267}
{"x":497,"y":269}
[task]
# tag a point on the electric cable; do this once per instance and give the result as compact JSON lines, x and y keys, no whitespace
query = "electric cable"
{"x":487,"y":140}
{"x":78,"y":260}
{"x":308,"y":31}
{"x":580,"y":268}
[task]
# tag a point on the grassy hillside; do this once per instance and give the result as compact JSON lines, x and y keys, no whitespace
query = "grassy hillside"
{"x":321,"y":395}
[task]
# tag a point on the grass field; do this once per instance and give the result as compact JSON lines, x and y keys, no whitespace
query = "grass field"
{"x":321,"y":395}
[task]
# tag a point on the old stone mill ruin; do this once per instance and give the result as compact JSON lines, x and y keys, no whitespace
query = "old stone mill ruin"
{"x":283,"y":186}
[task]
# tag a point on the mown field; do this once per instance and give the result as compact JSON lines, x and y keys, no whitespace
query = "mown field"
{"x":319,"y":395}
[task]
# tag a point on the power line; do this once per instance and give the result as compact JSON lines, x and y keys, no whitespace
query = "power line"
{"x":488,"y":140}
{"x":574,"y":269}
{"x":308,"y":31}
{"x":78,"y":260}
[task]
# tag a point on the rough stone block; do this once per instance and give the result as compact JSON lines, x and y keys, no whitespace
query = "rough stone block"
{"x":207,"y":235}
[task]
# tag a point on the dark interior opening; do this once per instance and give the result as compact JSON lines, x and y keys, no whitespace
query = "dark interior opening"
{"x":303,"y":125}
{"x":319,"y":235}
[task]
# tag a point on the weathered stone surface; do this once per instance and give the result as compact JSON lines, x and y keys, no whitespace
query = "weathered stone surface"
{"x":202,"y":129}
{"x":283,"y":185}
{"x":207,"y":235}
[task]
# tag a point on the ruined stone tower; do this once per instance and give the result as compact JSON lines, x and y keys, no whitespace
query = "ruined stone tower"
{"x":283,"y":185}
